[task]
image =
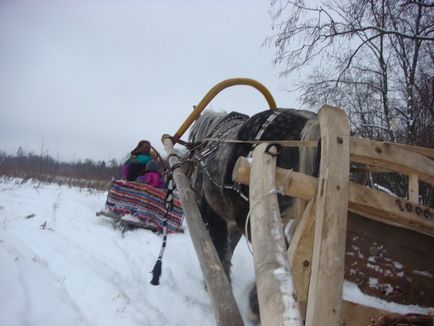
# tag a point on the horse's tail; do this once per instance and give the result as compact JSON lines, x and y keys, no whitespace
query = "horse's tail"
{"x":308,"y":155}
{"x":308,"y":165}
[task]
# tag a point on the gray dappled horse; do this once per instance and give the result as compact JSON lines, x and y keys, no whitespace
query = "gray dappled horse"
{"x":223,"y":204}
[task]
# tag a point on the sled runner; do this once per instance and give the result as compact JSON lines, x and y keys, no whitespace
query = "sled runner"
{"x":127,"y":222}
{"x":139,"y":205}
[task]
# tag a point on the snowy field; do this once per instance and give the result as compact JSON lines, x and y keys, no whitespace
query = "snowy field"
{"x":78,"y":270}
{"x":62,"y":265}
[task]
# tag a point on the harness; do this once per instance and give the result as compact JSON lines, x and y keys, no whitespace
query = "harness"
{"x":210,"y":146}
{"x":261,"y":131}
{"x":198,"y":154}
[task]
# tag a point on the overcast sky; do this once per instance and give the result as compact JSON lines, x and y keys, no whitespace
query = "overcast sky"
{"x":90,"y":78}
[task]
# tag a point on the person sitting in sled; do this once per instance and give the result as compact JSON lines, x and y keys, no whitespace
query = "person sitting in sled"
{"x":152,"y":176}
{"x":136,"y":164}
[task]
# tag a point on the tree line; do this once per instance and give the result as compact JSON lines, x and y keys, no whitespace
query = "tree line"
{"x":45,"y":168}
{"x":372,"y":58}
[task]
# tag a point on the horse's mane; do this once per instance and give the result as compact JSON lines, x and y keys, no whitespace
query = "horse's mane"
{"x":205,"y":124}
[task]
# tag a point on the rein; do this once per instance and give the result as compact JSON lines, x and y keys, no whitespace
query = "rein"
{"x":284,"y":143}
{"x":198,"y":152}
{"x":168,"y":205}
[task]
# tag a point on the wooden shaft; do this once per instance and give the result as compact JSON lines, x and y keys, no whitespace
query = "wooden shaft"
{"x":290,"y":183}
{"x":277,"y":304}
{"x":219,"y":288}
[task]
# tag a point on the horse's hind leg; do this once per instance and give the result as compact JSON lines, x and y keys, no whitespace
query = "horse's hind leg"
{"x":224,"y":236}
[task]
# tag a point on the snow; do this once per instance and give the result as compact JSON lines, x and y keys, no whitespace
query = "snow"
{"x":62,"y":265}
{"x":353,"y":294}
{"x":78,"y":270}
{"x":424,"y":273}
{"x":384,"y":189}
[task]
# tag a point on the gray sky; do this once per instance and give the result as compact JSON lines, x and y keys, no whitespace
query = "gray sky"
{"x":90,"y":78}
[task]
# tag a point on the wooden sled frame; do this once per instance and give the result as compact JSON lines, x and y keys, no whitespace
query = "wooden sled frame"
{"x":317,"y":250}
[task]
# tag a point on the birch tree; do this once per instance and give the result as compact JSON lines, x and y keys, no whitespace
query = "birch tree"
{"x":372,"y":57}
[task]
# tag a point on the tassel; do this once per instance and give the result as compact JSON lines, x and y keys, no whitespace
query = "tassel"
{"x":168,"y":203}
{"x":156,"y":273}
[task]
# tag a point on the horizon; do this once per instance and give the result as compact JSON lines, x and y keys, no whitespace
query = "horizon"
{"x":91,"y":79}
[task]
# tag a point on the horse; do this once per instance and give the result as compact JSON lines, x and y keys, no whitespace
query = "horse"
{"x":223,"y":204}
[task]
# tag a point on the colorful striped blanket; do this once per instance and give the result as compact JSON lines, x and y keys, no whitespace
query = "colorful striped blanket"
{"x":145,"y":202}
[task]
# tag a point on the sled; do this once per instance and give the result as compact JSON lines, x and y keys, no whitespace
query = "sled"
{"x":349,"y":232}
{"x":137,"y":205}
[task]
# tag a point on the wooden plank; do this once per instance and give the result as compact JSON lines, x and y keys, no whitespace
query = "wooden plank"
{"x":359,"y":315}
{"x":426,"y":151}
{"x":413,"y":188}
{"x":277,"y":304}
{"x":387,"y":209}
{"x":372,"y":250}
{"x":324,"y":305}
{"x":288,"y":182}
{"x":392,"y":157}
{"x":219,"y":288}
{"x":300,"y":255}
{"x":371,"y":203}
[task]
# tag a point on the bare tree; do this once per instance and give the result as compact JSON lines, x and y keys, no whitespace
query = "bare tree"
{"x":372,"y":57}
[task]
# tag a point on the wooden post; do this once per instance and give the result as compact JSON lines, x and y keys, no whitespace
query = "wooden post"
{"x":413,"y":188}
{"x":277,"y":303}
{"x":219,"y":288}
{"x":324,"y":306}
{"x":300,"y":255}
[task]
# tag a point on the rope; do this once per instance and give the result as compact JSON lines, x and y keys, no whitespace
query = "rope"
{"x":246,"y":228}
{"x":280,"y":191}
{"x":168,"y":203}
{"x":284,"y":183}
